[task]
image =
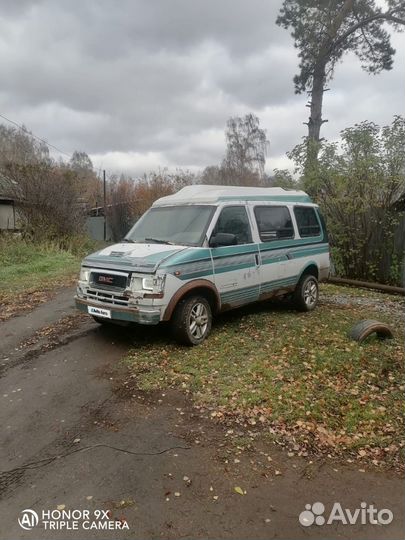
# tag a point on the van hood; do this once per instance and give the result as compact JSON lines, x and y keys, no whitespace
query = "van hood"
{"x":132,"y":257}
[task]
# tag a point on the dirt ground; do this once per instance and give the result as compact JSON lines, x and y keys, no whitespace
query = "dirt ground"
{"x":76,"y":434}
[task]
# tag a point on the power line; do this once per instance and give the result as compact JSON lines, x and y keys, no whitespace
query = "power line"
{"x":35,"y":136}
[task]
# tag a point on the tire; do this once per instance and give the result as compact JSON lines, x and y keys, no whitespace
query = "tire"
{"x":306,"y":293}
{"x":363,"y":329}
{"x":193,"y":309}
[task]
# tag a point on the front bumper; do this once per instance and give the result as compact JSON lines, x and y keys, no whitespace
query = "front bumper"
{"x":135,"y":314}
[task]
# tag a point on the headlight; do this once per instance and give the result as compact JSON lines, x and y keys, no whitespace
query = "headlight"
{"x":155,"y":284}
{"x":84,"y":274}
{"x":148,"y":283}
{"x":151,"y":284}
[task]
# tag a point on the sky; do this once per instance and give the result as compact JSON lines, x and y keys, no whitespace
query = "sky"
{"x":143,"y":84}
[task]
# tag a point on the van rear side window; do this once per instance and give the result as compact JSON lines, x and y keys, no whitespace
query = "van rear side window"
{"x":274,"y":223}
{"x":307,"y":222}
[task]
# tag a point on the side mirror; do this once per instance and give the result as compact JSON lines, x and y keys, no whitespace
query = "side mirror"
{"x":223,"y":239}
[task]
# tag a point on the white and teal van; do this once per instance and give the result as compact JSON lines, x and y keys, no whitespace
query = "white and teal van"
{"x":204,"y":250}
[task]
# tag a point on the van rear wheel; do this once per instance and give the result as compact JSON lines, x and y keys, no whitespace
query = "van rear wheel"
{"x":306,"y":293}
{"x":192,"y":320}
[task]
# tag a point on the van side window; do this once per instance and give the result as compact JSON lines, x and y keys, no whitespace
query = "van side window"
{"x":234,"y":220}
{"x":308,"y":224}
{"x":274,"y":223}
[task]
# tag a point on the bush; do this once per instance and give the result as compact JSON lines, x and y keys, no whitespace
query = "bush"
{"x":358,"y":182}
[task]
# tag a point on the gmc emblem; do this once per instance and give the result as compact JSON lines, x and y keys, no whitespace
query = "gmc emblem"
{"x":105,"y":279}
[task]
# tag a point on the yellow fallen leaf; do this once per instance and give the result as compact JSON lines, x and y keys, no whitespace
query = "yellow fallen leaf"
{"x":61,"y":507}
{"x":239,"y":490}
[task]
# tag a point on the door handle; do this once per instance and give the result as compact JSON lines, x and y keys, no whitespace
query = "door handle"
{"x":257,"y":259}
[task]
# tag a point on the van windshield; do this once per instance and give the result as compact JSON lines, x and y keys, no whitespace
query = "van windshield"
{"x":185,"y":225}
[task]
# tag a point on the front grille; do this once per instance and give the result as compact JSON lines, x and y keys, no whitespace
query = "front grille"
{"x":106,"y":298}
{"x":104,"y":280}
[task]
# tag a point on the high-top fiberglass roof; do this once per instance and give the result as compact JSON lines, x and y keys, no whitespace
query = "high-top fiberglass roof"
{"x":200,"y":193}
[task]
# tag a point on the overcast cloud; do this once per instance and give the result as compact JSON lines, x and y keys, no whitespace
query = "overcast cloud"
{"x":140,"y":84}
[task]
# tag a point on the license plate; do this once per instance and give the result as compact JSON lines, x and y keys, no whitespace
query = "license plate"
{"x":99,"y":312}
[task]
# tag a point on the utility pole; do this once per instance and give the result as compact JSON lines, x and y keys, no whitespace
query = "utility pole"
{"x":105,"y":207}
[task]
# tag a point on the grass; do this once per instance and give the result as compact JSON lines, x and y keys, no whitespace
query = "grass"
{"x":23,"y":265}
{"x":297,"y":374}
{"x":29,"y":270}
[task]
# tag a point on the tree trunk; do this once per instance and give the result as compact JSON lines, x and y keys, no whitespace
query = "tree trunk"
{"x":315,"y":120}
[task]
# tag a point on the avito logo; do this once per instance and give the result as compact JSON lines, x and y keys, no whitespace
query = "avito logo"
{"x":367,"y":513}
{"x":29,"y":519}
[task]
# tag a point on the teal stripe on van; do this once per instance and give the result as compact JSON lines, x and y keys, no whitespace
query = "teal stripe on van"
{"x":231,"y":259}
{"x":237,"y":261}
{"x":240,"y":295}
{"x":190,"y":255}
{"x":242,"y":249}
{"x":247,"y":294}
{"x":279,"y":244}
{"x":195,"y":275}
{"x":307,"y":252}
{"x":294,"y":254}
{"x":269,"y":286}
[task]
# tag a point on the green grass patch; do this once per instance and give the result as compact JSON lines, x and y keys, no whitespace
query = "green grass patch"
{"x":30,"y":271}
{"x":26,"y":265}
{"x":297,"y":372}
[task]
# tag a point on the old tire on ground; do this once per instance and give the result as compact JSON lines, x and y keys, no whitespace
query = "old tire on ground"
{"x":306,"y":293}
{"x":363,"y":329}
{"x":192,"y":320}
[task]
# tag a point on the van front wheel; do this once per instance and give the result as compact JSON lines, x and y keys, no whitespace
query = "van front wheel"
{"x":306,"y":293}
{"x":192,"y":320}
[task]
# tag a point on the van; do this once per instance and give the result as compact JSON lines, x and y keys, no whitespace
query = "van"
{"x":205,"y":250}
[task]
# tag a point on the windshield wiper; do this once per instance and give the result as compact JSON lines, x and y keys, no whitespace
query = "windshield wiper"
{"x":128,"y":240}
{"x":158,"y":241}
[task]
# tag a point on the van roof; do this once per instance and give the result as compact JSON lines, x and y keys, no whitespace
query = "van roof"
{"x":199,"y":193}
